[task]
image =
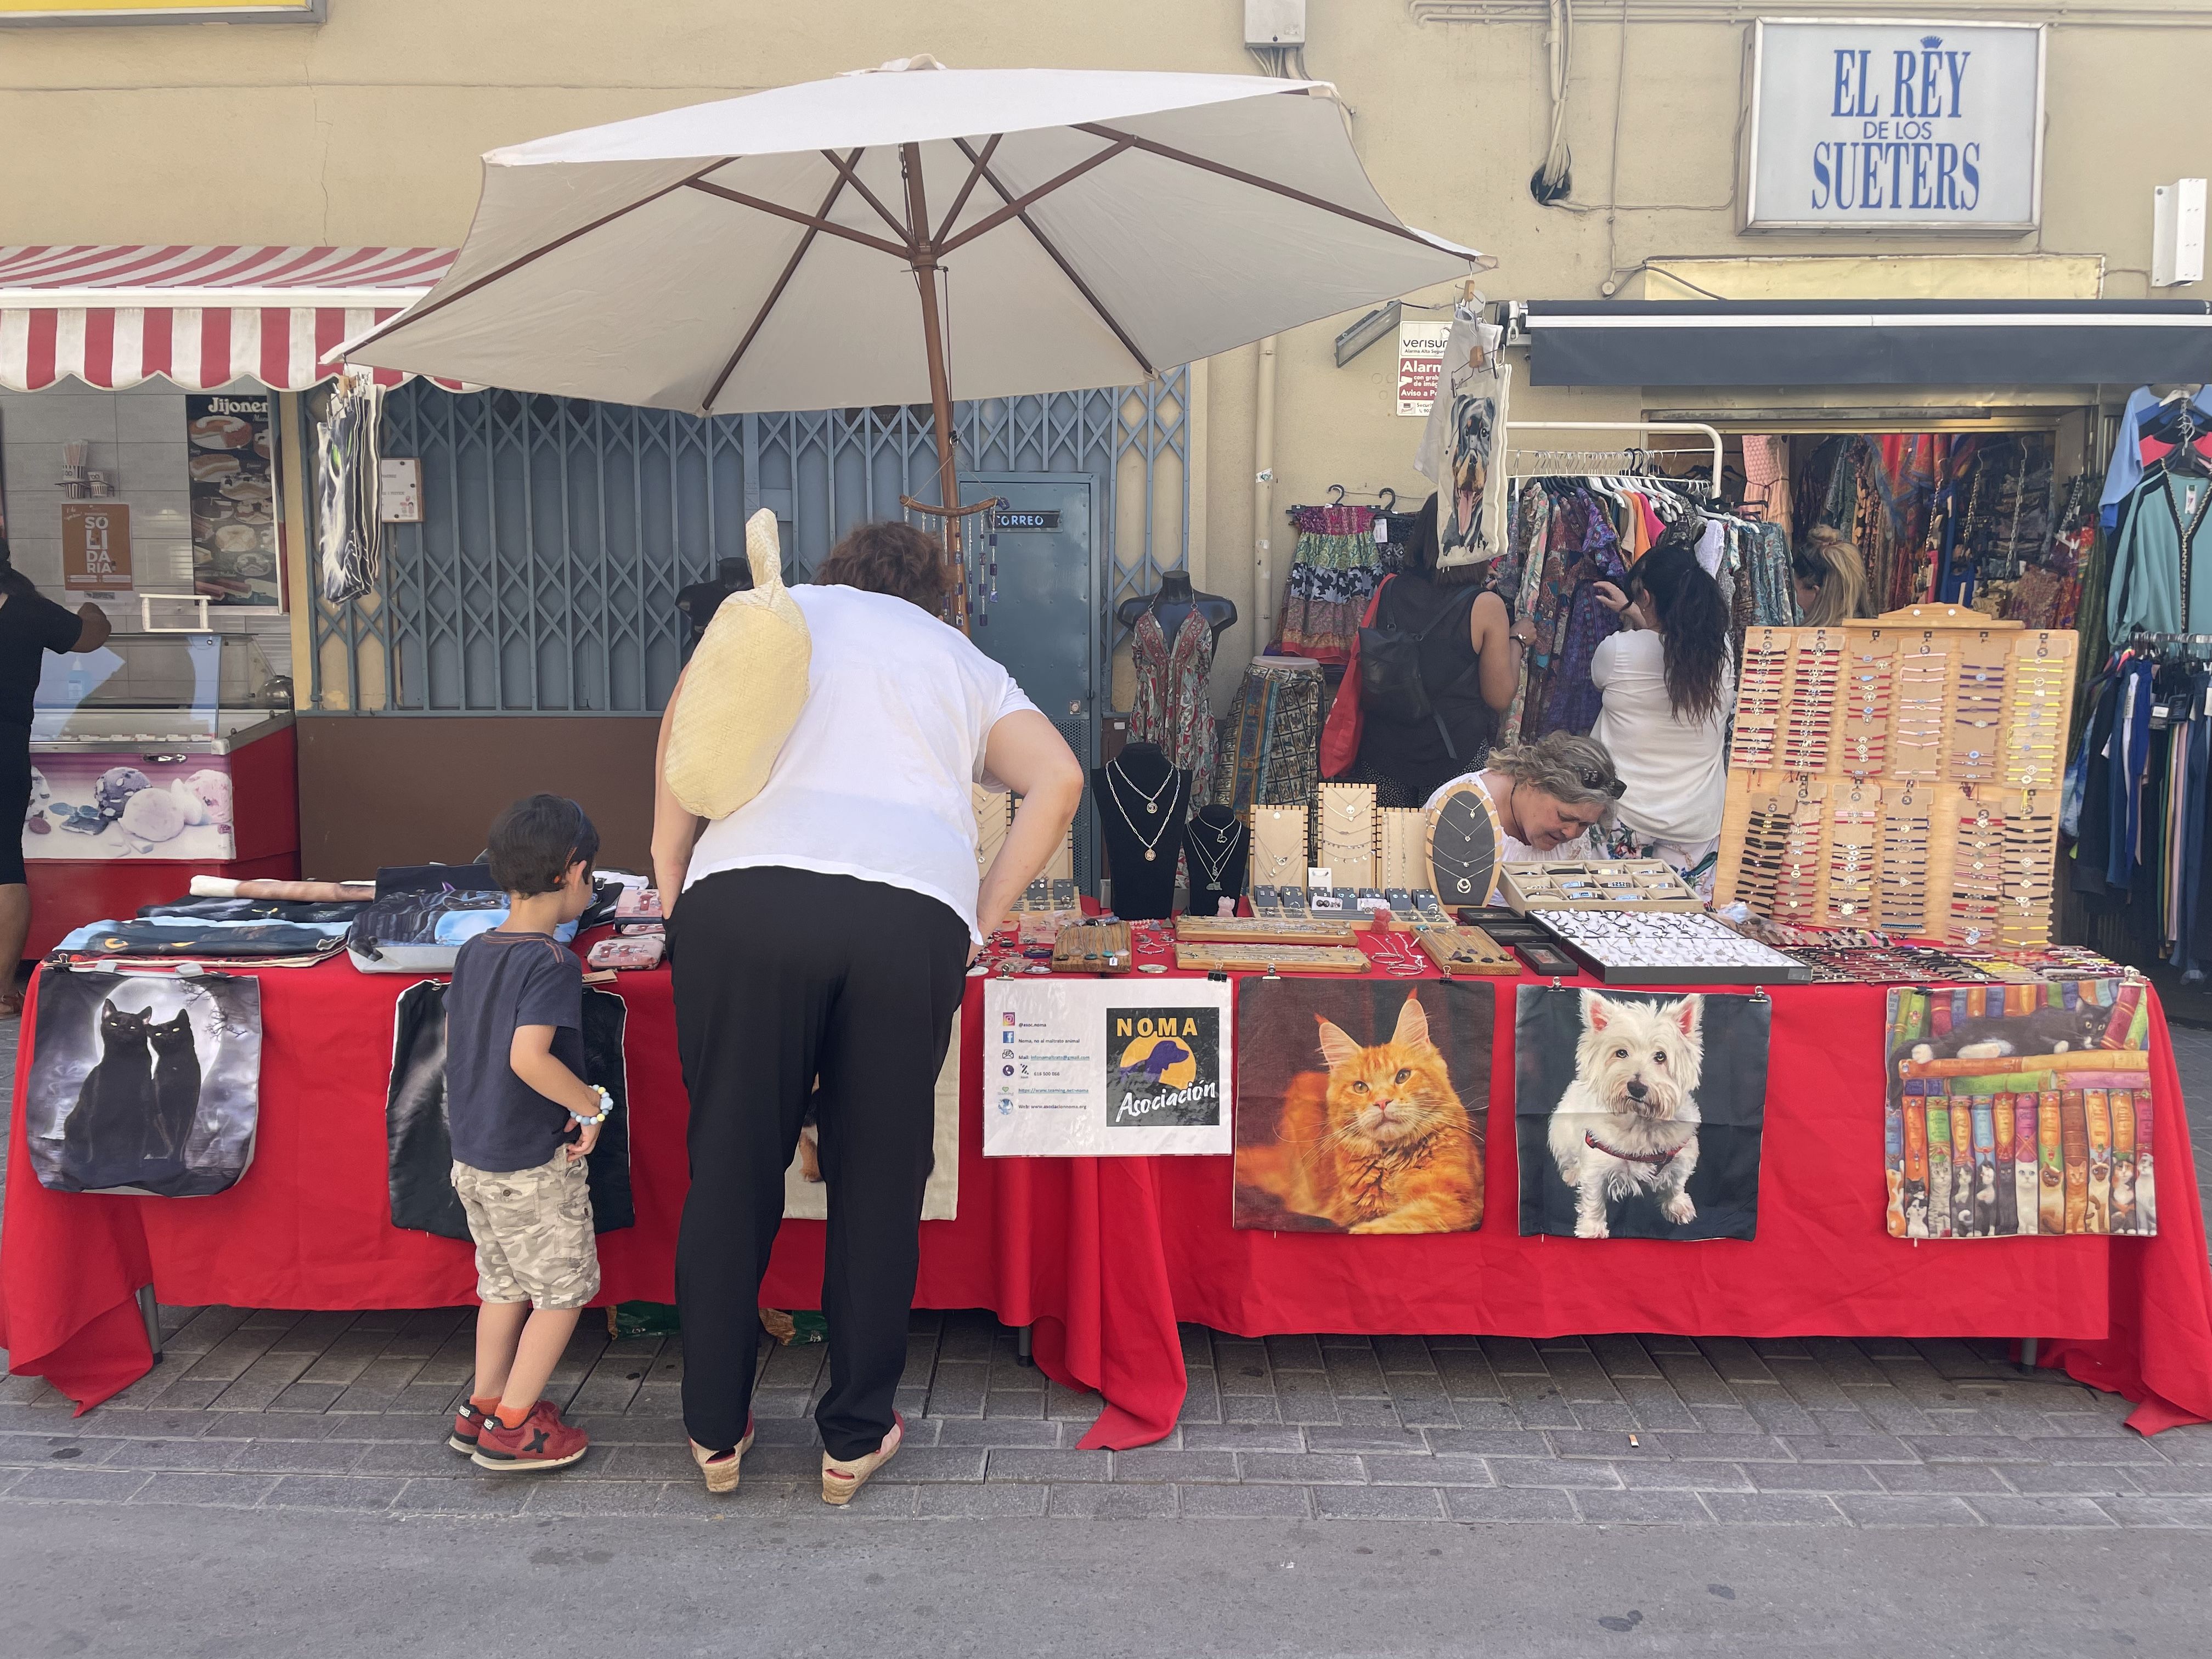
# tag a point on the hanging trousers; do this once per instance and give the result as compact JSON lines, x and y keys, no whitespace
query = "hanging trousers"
{"x":784,"y":976}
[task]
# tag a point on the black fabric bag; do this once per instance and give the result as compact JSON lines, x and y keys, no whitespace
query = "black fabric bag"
{"x":1390,"y":683}
{"x":419,"y":1143}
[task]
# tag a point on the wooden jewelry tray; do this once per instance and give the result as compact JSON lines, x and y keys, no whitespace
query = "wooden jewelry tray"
{"x":1094,"y":947}
{"x":1597,"y":885}
{"x":1263,"y":930}
{"x":1271,"y":958}
{"x":1466,"y":950}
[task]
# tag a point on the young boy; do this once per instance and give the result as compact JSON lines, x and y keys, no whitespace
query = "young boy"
{"x":514,"y":1096}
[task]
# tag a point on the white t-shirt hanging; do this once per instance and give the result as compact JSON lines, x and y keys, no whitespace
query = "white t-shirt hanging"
{"x":873,"y":781}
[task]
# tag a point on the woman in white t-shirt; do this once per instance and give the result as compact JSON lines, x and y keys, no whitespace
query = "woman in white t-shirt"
{"x":1668,"y":690}
{"x":820,"y":937}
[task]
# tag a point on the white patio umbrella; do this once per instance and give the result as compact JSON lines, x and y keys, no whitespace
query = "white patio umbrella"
{"x":1059,"y":229}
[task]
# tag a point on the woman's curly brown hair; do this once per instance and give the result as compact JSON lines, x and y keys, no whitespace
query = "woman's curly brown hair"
{"x":889,"y":557}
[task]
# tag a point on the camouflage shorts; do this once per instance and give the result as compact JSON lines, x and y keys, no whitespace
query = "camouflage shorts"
{"x":533,"y":1232}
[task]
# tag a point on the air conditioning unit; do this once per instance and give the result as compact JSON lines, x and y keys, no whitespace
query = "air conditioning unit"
{"x":1274,"y":22}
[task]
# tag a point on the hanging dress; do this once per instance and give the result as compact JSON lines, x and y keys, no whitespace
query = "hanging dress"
{"x":1172,"y":707}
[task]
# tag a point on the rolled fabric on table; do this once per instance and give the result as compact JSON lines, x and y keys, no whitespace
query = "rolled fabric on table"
{"x":311,"y":892}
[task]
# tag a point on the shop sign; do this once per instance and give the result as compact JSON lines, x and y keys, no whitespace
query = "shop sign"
{"x":1868,"y":126}
{"x":1420,"y":361}
{"x":74,"y":13}
{"x":95,"y":547}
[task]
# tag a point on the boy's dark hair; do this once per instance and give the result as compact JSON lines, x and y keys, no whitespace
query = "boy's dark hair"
{"x":534,"y":842}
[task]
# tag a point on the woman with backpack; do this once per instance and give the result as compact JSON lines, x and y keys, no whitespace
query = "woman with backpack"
{"x":1668,"y":688}
{"x":1437,"y":664}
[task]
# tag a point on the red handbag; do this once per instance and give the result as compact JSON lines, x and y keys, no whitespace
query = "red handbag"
{"x":1341,"y":733}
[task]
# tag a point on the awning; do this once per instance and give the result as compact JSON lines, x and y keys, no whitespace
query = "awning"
{"x":1959,"y":343}
{"x":202,"y":316}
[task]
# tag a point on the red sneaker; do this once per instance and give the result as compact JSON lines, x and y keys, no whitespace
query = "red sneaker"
{"x":540,"y":1441}
{"x":469,"y":1424}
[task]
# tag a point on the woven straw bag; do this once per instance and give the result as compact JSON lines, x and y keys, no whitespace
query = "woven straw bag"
{"x":743,"y":689}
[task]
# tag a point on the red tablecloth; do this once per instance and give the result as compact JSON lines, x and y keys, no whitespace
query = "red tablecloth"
{"x":1104,"y":1255}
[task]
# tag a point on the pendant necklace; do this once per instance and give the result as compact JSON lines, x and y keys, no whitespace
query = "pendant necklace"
{"x":1226,"y":841}
{"x":1151,"y":802}
{"x":1152,"y":805}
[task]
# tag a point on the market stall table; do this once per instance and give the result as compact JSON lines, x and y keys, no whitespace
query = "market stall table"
{"x":1103,"y":1257}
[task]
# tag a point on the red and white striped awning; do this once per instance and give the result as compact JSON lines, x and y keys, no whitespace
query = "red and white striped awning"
{"x":201,"y":316}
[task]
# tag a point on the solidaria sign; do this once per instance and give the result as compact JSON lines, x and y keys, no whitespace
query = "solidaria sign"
{"x":1915,"y":126}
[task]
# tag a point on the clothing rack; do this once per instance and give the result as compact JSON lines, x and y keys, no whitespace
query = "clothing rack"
{"x":1710,"y":434}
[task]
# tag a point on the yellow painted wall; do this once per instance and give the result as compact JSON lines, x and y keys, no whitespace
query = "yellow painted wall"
{"x":366,"y":129}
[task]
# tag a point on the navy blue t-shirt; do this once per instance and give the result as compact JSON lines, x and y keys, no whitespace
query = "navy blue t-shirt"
{"x":502,"y":982}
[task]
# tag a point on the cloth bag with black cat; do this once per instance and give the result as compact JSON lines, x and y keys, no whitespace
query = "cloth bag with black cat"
{"x":743,"y":689}
{"x":144,"y":1084}
{"x":419,"y":1142}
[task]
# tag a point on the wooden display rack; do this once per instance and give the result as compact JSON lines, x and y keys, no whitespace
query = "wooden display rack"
{"x":1271,"y":958}
{"x":1094,"y":947}
{"x":1467,"y":951}
{"x":1596,"y":884}
{"x":1902,"y":774}
{"x":1263,"y":930}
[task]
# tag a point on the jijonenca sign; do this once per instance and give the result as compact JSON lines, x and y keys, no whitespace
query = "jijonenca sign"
{"x":1914,"y":126}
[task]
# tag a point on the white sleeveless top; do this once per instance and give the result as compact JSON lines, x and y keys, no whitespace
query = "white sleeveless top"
{"x":873,"y":781}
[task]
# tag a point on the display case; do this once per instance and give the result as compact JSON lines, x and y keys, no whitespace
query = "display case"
{"x":160,"y":756}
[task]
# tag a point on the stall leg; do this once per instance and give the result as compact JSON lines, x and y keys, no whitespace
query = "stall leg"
{"x":2027,"y":1354}
{"x":150,"y":1311}
{"x":1022,"y":1354}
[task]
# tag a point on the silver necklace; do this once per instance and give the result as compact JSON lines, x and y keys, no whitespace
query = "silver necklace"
{"x":1226,"y":840}
{"x":1151,"y":802}
{"x":1160,"y":830}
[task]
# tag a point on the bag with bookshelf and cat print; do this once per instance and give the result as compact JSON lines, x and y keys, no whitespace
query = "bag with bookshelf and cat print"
{"x":144,"y":1084}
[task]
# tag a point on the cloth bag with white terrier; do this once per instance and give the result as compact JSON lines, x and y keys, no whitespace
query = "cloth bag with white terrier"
{"x":743,"y":689}
{"x":1639,"y":1114}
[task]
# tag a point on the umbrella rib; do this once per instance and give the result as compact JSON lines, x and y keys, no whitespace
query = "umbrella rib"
{"x":844,"y":177}
{"x":1016,"y":208}
{"x":1168,"y":153}
{"x":1066,"y":269}
{"x":514,"y":265}
{"x":849,"y":169}
{"x":778,"y":210}
{"x":975,"y":178}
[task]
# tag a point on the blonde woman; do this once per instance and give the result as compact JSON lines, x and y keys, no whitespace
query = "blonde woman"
{"x":1830,"y":578}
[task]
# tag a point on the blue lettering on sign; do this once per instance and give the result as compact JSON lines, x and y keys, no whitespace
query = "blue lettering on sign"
{"x":1898,"y":161}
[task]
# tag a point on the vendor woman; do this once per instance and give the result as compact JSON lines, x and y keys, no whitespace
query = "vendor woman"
{"x":1550,"y":795}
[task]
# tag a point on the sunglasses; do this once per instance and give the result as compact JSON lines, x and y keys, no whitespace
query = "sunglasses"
{"x":1597,"y":783}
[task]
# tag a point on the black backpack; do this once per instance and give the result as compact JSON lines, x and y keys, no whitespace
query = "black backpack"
{"x":1390,"y":683}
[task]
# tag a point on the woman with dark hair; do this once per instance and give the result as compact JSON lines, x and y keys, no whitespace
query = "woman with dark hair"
{"x":1470,"y":658}
{"x":1668,"y":689}
{"x":820,"y":936}
{"x":31,"y":625}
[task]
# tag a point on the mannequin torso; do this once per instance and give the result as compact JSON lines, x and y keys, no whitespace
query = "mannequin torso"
{"x":1176,"y":599}
{"x":1142,"y":801}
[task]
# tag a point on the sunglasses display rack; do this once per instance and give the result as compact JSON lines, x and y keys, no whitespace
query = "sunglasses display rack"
{"x":1901,"y":774}
{"x":1597,"y":885}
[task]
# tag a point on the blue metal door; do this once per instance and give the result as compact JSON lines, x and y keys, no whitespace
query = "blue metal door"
{"x":1040,"y":615}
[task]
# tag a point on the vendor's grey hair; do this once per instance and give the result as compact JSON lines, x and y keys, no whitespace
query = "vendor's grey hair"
{"x":1575,"y":771}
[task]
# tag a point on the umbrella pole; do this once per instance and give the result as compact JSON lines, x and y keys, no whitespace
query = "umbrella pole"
{"x":922,"y":257}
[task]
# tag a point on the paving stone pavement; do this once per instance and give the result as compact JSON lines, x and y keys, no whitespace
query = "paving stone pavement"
{"x":348,"y":1412}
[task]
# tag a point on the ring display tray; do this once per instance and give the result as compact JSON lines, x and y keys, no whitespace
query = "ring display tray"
{"x":1667,"y":948}
{"x":1264,"y":930}
{"x":1467,"y":951}
{"x":1094,"y":947}
{"x":1271,"y":958}
{"x":1597,"y":885}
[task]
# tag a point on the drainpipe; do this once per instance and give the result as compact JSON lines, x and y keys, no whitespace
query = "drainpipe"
{"x":1263,"y":490}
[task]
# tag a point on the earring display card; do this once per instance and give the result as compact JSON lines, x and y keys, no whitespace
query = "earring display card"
{"x":2019,"y":1110}
{"x":1344,"y":833}
{"x":1279,"y":849}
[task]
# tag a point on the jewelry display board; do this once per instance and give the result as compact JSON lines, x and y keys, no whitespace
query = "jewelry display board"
{"x":1093,"y":947}
{"x":1900,"y":774}
{"x":1466,"y":950}
{"x":1464,"y":837}
{"x":1402,"y":849}
{"x":995,"y":814}
{"x":1344,"y":833}
{"x":1668,"y":947}
{"x":1279,"y":847}
{"x":1264,"y":930}
{"x":1271,"y":958}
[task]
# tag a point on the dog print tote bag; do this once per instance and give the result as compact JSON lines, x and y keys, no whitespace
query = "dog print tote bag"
{"x":1639,"y":1115}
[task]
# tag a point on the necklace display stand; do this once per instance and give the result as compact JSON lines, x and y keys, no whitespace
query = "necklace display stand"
{"x":1141,"y":803}
{"x":1216,"y":847}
